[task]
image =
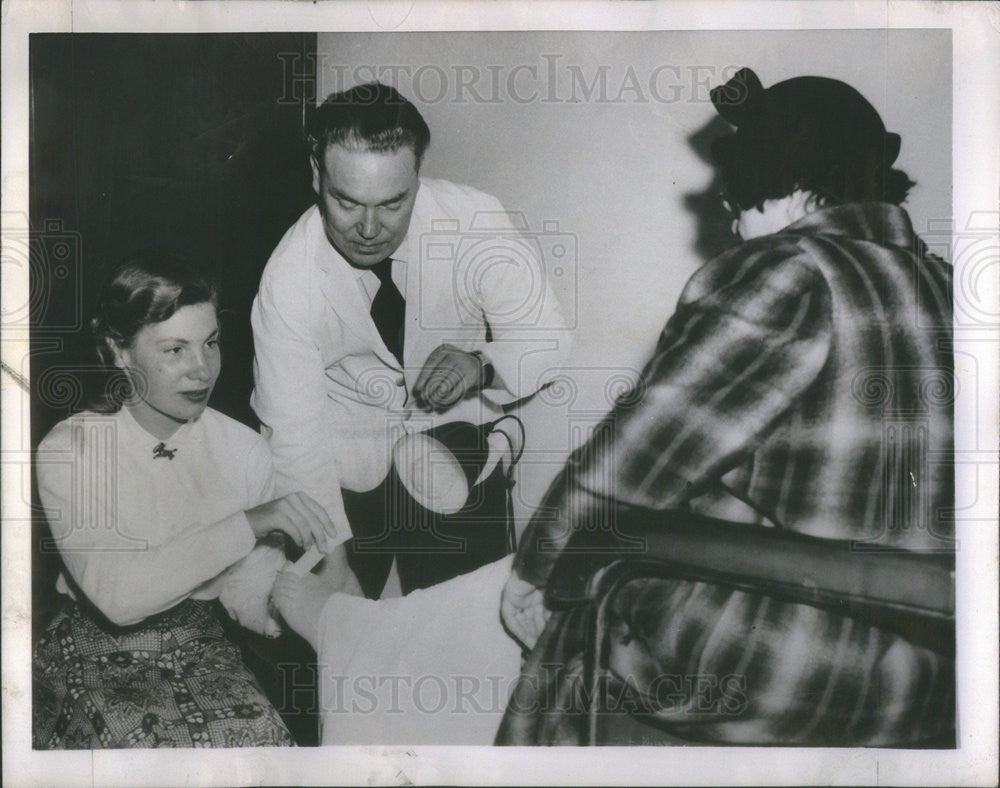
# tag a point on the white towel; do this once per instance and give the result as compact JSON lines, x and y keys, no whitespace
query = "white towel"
{"x":433,"y":667}
{"x":245,"y":588}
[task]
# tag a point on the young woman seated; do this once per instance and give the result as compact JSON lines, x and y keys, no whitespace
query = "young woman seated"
{"x":156,"y":503}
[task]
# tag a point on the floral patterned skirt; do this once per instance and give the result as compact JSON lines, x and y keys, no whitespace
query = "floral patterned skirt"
{"x":172,"y":681}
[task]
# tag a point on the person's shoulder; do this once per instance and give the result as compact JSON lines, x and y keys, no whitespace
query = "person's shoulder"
{"x":227,"y":429}
{"x":764,"y":268}
{"x":456,"y":199}
{"x":287,"y":281}
{"x":292,"y":251}
{"x":763,"y":256}
{"x":232,"y":443}
{"x":76,"y":430}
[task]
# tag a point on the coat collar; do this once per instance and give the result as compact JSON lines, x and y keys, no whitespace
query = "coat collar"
{"x":878,"y":222}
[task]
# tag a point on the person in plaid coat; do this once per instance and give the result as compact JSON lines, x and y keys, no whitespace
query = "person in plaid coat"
{"x":805,"y":381}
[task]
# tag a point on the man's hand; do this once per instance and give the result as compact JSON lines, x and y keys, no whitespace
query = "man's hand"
{"x":449,"y":376}
{"x":522,"y":610}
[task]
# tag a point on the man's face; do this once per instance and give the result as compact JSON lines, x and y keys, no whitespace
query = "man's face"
{"x":366,"y":200}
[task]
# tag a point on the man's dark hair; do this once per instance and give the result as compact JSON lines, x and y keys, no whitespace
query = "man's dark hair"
{"x":371,"y":117}
{"x":811,"y":133}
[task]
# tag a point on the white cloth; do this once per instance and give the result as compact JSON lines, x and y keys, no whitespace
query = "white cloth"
{"x":432,"y":667}
{"x":245,"y":588}
{"x":140,"y":533}
{"x":331,"y":397}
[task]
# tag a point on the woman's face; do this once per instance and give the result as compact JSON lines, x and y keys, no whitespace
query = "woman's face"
{"x":173,"y":367}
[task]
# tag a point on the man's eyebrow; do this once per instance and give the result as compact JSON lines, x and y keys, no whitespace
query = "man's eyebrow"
{"x":347,"y":198}
{"x":396,"y":198}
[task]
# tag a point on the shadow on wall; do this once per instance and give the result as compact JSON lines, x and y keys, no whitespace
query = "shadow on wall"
{"x":713,"y":221}
{"x":560,"y":419}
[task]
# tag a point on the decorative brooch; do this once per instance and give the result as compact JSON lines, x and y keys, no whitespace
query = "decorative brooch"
{"x":161,"y":450}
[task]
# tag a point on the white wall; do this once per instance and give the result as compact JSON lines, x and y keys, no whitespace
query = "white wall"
{"x":510,"y":114}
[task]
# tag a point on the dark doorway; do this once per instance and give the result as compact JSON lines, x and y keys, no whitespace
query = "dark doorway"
{"x":187,"y":141}
{"x":192,"y":142}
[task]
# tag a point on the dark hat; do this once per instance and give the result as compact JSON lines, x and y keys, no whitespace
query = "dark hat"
{"x":809,"y":120}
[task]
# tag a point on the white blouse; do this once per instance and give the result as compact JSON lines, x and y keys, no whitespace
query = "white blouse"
{"x":142,"y":526}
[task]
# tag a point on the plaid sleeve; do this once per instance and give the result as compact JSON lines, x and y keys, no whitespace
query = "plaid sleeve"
{"x":750,"y":334}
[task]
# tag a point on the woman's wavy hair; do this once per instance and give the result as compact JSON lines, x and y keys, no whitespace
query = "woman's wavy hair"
{"x":147,"y":288}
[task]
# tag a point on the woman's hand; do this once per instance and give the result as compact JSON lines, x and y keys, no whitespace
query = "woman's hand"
{"x":522,"y":610}
{"x":297,"y":515}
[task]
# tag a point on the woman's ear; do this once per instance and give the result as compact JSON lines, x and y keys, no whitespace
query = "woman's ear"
{"x":120,"y":355}
{"x":314,"y":164}
{"x":803,"y":202}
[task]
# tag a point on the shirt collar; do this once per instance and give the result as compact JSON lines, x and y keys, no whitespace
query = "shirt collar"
{"x":360,"y":274}
{"x":135,"y":432}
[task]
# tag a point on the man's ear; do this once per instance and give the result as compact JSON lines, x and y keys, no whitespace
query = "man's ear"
{"x":315,"y":171}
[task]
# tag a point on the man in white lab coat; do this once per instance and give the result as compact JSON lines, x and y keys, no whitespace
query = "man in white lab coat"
{"x":394,"y":304}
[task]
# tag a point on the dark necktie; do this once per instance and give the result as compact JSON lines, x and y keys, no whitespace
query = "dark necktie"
{"x":389,"y":309}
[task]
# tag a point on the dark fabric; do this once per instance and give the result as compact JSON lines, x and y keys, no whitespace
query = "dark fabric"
{"x":549,"y":703}
{"x":389,"y":310}
{"x":173,"y":681}
{"x":804,"y":118}
{"x":643,"y":700}
{"x":366,"y":513}
{"x":861,"y":687}
{"x":808,"y":373}
{"x":429,"y":548}
{"x":286,"y":669}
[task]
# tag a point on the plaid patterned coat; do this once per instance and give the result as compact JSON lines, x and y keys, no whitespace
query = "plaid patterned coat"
{"x":806,"y":376}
